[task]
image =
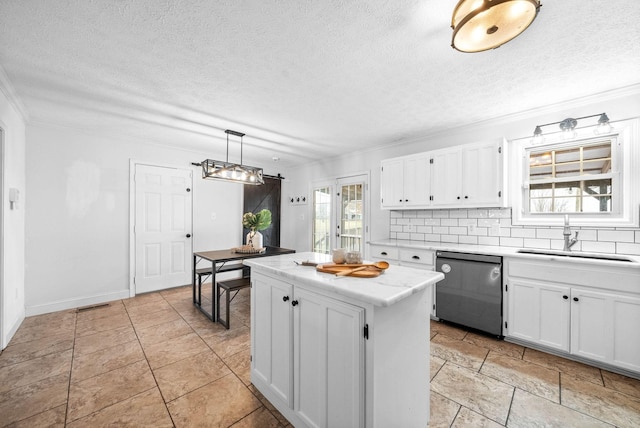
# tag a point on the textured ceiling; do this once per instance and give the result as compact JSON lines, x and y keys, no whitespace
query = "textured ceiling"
{"x":302,"y":79}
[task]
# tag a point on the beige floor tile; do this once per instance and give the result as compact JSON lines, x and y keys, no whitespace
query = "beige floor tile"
{"x":186,"y":375}
{"x":165,"y":331}
{"x":13,"y":354}
{"x":267,"y":404}
{"x":478,"y":392}
{"x":104,"y":339}
{"x":53,"y":418}
{"x":240,"y":364}
{"x":178,"y":348}
{"x":108,"y":310}
{"x":142,"y":299}
{"x":26,"y":401}
{"x":105,"y":360}
{"x":218,"y":404}
{"x":469,"y":418}
{"x":151,"y":319}
{"x":459,"y":352}
{"x":602,"y":403}
{"x":528,"y":410}
{"x":435,"y":364}
{"x":98,"y":392}
{"x":522,"y":374}
{"x":146,"y":409}
{"x":573,"y":368}
{"x":31,"y":371}
{"x":65,"y":327}
{"x":51,"y":320}
{"x":228,"y":342}
{"x":447,"y":330}
{"x":97,"y":325}
{"x":495,"y":345}
{"x":443,"y":411}
{"x":260,"y":418}
{"x":621,"y":383}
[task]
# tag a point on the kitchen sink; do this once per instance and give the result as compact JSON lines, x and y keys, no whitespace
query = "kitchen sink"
{"x":578,"y":254}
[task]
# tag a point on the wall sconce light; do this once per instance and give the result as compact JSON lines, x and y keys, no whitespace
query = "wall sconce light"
{"x":568,"y":127}
{"x":239,"y":173}
{"x":480,"y":25}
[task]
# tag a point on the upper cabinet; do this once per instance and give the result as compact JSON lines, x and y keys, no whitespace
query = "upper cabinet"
{"x":405,"y":182}
{"x":462,"y":176}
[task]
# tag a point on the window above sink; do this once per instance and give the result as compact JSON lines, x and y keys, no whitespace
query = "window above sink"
{"x":594,"y":179}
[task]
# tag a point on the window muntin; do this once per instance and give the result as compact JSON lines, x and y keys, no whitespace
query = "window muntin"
{"x":572,"y":177}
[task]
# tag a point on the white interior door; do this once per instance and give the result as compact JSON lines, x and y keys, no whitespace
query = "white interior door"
{"x":163,"y":217}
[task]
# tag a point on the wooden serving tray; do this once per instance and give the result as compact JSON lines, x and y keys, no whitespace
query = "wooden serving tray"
{"x":369,"y":272}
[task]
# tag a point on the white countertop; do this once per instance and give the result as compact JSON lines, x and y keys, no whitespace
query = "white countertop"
{"x":507,"y":252}
{"x":394,"y":284}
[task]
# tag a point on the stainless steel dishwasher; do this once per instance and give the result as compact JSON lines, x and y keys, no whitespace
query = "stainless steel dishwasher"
{"x":471,"y":292}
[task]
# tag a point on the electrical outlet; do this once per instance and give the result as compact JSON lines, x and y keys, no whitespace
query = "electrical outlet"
{"x":495,"y":230}
{"x":472,"y":229}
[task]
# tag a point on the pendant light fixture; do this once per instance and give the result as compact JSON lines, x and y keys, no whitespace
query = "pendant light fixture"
{"x":239,"y":173}
{"x":480,"y":25}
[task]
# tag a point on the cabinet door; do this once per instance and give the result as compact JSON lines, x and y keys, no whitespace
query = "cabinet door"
{"x":604,"y":327}
{"x":392,"y":184}
{"x":482,"y":175}
{"x":538,"y":313}
{"x":271,"y":331}
{"x":417,"y":180}
{"x":329,"y":361}
{"x":446,"y":178}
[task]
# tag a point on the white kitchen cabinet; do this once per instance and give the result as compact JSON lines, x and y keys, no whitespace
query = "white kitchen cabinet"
{"x":309,"y":350}
{"x":405,"y":182}
{"x":539,"y":313}
{"x":604,"y":327}
{"x":468,"y":176}
{"x":584,"y":310}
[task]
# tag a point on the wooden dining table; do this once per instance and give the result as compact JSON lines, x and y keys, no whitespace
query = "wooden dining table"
{"x":219,"y":261}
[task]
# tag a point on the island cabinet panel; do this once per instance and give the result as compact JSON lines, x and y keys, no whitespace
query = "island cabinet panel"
{"x":308,"y":349}
{"x":328,"y":361}
{"x":271,"y":333}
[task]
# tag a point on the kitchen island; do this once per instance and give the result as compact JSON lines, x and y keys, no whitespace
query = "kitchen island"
{"x":333,"y":351}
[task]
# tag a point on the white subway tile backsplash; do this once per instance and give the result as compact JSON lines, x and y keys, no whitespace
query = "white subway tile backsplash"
{"x":466,"y":239}
{"x":522,"y":233}
{"x":627,"y":248}
{"x":488,"y":240}
{"x":537,"y":243}
{"x":598,"y":247}
{"x":512,"y":242}
{"x":493,"y":227}
{"x":616,"y":235}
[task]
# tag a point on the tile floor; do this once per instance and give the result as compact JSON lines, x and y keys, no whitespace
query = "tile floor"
{"x":156,"y":361}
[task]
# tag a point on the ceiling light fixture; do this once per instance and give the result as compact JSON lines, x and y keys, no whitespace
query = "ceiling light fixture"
{"x":239,"y":173}
{"x":480,"y":25}
{"x":568,"y":127}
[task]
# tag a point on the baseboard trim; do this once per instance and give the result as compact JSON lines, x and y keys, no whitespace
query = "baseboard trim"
{"x":12,"y":331}
{"x":62,"y":305}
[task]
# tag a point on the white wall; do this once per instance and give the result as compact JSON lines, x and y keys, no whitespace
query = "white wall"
{"x":12,"y":248}
{"x":619,"y":105}
{"x":77,"y":232}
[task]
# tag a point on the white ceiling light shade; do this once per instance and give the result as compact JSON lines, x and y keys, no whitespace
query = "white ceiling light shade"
{"x":480,"y":25}
{"x":239,"y":173}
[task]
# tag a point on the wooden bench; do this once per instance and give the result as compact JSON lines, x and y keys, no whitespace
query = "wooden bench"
{"x":229,"y":286}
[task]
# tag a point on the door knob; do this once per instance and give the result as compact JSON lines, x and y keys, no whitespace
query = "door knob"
{"x":294,"y":302}
{"x":188,"y":235}
{"x":285,"y":298}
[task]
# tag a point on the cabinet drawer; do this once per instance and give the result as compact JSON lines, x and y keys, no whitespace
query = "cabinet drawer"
{"x":384,"y":253}
{"x":416,"y":256}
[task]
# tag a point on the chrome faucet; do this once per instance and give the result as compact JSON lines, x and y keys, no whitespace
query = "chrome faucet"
{"x":566,"y":232}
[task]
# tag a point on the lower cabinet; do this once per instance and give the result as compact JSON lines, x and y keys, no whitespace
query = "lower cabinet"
{"x":592,"y":313}
{"x":308,"y":350}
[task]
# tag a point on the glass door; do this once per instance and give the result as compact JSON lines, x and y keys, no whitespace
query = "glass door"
{"x":351,"y":213}
{"x":321,"y":233}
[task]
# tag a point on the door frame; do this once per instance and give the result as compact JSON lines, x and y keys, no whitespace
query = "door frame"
{"x":132,"y":214}
{"x":2,"y":246}
{"x":366,"y":221}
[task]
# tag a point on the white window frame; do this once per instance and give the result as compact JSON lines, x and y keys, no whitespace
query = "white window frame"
{"x":625,"y":164}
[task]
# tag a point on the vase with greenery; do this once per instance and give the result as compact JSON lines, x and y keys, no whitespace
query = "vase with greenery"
{"x":256,"y":222}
